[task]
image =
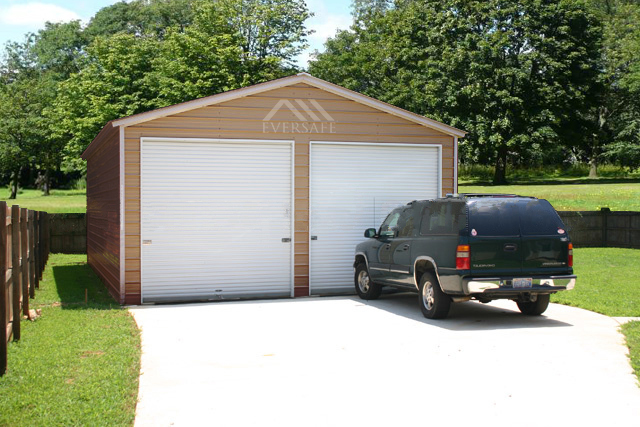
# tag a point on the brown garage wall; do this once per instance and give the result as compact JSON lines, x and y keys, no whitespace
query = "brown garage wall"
{"x":243,"y":119}
{"x":103,"y":207}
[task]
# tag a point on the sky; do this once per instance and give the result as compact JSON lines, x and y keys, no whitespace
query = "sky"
{"x":17,"y":17}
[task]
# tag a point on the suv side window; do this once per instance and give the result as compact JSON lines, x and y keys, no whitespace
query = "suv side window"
{"x":443,"y":218}
{"x":537,"y":217}
{"x":405,"y":223}
{"x":390,"y":225}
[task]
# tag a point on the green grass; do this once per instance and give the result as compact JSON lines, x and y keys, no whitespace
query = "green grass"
{"x":543,"y":173}
{"x":77,"y":364}
{"x":65,"y":201}
{"x":567,"y":196}
{"x":608,"y":281}
{"x":631,"y":331}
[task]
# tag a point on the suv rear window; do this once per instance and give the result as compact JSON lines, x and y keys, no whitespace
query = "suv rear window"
{"x":537,"y":218}
{"x":491,"y":217}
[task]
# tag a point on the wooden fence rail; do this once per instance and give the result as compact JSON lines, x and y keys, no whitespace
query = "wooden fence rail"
{"x":24,"y":250}
{"x":603,"y":228}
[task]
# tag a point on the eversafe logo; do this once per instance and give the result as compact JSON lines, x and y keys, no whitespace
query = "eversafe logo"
{"x":309,"y":122}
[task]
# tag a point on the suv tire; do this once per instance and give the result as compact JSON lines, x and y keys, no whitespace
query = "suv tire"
{"x":365,"y":287}
{"x":535,"y":308}
{"x":434,"y":303}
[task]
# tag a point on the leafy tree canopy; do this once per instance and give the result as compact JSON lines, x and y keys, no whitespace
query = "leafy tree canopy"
{"x":514,"y":74}
{"x":222,"y":45}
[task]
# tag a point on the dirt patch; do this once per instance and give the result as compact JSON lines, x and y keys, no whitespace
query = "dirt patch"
{"x":91,"y":353}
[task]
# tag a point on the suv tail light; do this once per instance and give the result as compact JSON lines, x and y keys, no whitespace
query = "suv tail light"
{"x":570,"y":255}
{"x":463,"y":257}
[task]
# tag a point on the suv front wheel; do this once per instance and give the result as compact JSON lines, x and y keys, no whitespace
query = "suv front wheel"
{"x":434,"y":303}
{"x":365,"y":288}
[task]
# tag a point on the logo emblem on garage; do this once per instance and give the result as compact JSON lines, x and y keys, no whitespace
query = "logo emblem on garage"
{"x":299,"y":116}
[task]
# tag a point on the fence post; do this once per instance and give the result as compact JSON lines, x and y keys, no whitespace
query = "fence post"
{"x":24,"y":264}
{"x":3,"y":288}
{"x":605,"y":227}
{"x":47,"y":238}
{"x":36,"y":251}
{"x":15,"y":269}
{"x":41,"y":240}
{"x":32,"y":255}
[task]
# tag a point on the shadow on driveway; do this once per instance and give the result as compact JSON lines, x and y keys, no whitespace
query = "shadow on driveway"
{"x":466,"y":316}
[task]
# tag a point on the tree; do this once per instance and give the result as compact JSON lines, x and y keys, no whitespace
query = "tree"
{"x":616,"y":116}
{"x":112,"y":85}
{"x":58,"y":52}
{"x":151,"y":18}
{"x":24,"y":92}
{"x":228,"y":44}
{"x":21,"y":126}
{"x":364,"y":11}
{"x":515,"y":74}
{"x":59,"y":49}
{"x":270,"y":31}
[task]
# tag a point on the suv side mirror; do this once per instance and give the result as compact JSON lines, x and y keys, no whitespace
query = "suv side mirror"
{"x":369,"y":233}
{"x":390,"y":233}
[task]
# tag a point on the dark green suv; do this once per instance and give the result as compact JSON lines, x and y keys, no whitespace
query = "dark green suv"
{"x":468,"y":246}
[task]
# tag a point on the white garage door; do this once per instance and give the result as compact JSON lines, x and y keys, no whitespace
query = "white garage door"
{"x":215,"y":219}
{"x":353,"y":187}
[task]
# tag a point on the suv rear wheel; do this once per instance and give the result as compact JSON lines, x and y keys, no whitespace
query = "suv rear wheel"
{"x":365,"y":288}
{"x":535,"y":308}
{"x":434,"y":303}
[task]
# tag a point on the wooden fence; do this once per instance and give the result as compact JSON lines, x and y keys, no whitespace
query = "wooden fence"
{"x":24,"y":250}
{"x":68,"y":233}
{"x":603,"y":228}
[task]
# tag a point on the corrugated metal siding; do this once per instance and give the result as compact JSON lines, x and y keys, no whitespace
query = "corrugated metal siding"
{"x":103,"y":209}
{"x":354,"y":187}
{"x":242,"y":118}
{"x":214,"y":214}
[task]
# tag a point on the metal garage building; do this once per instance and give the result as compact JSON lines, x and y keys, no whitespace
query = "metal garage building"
{"x":257,"y":192}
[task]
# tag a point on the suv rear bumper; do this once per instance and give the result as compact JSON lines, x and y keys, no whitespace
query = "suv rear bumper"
{"x":499,"y":286}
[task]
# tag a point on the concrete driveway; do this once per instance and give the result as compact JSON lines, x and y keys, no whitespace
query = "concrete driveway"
{"x":341,"y":361}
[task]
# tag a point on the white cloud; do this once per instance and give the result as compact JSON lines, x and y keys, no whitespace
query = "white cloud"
{"x":35,"y":14}
{"x":326,"y":25}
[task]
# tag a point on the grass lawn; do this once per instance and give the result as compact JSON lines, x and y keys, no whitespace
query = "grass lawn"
{"x":563,"y":194}
{"x":77,"y":364}
{"x":568,"y":196}
{"x":60,"y":201}
{"x":631,"y":331}
{"x":608,"y":282}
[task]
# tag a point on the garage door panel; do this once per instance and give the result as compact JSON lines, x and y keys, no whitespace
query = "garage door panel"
{"x":354,"y":187}
{"x":213,"y":218}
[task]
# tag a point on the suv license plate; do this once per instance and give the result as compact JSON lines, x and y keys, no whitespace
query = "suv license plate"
{"x":522,"y":283}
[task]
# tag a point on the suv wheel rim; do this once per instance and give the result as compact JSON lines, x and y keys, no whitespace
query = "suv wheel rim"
{"x":428,"y":298}
{"x":363,"y":282}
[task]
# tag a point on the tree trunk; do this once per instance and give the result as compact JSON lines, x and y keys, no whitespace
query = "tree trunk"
{"x":593,"y":164}
{"x":500,"y":175}
{"x":46,"y":184}
{"x":15,"y":177}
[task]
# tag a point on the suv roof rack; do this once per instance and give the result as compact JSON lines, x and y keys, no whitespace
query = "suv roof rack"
{"x":492,"y":195}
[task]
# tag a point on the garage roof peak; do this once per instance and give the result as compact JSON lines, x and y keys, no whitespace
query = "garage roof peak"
{"x":280,"y":83}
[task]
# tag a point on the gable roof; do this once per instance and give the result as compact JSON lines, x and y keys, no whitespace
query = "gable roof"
{"x":282,"y":82}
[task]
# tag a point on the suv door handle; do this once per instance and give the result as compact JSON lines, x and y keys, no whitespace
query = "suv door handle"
{"x":510,"y":247}
{"x":406,"y":246}
{"x":387,"y":246}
